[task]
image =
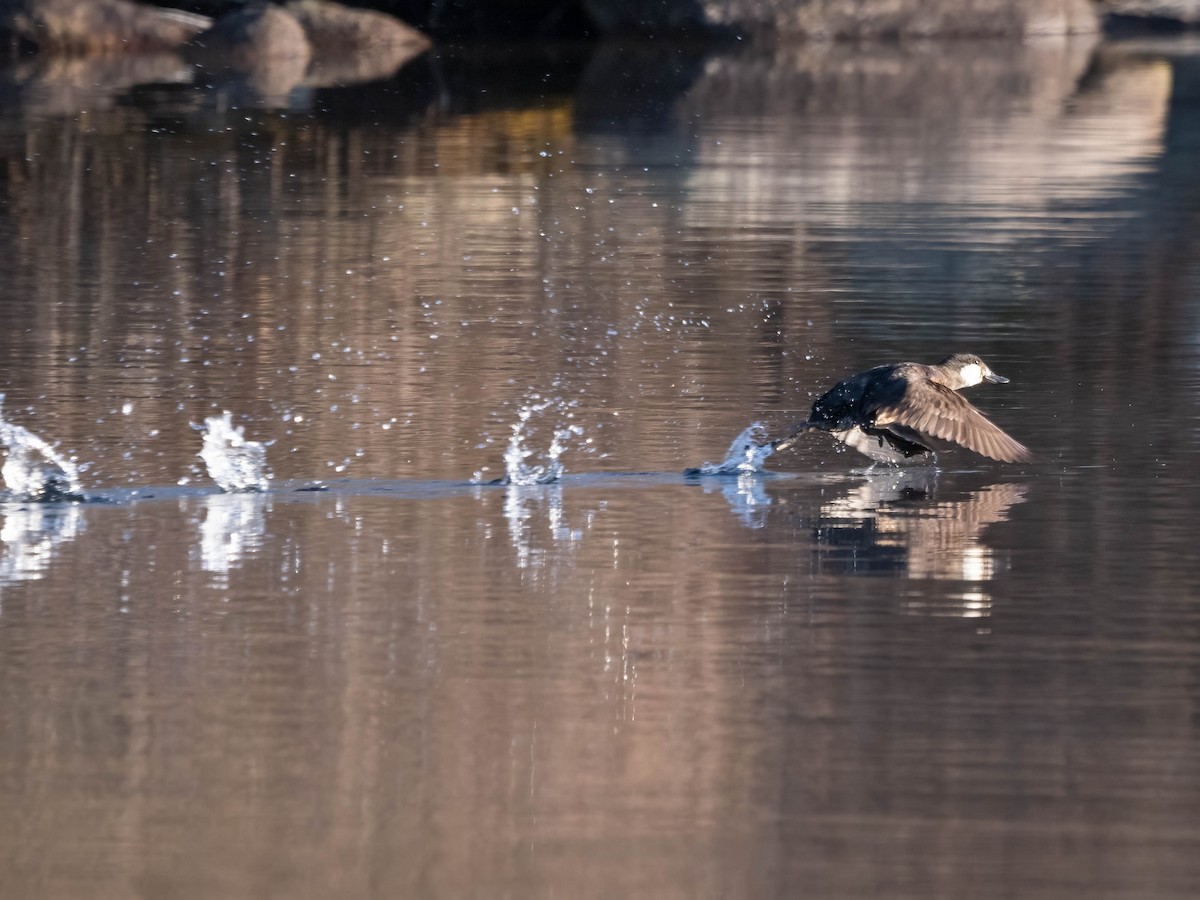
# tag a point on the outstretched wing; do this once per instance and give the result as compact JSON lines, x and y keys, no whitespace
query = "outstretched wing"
{"x":929,"y":409}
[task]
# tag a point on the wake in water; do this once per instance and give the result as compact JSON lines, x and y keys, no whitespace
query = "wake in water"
{"x":746,"y":455}
{"x":33,"y":470}
{"x":237,"y":465}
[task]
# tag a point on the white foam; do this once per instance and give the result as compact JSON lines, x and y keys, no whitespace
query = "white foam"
{"x":747,"y":454}
{"x":33,"y":470}
{"x":234,"y":463}
{"x":518,"y":469}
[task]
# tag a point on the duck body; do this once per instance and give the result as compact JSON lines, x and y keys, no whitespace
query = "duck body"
{"x":906,"y":411}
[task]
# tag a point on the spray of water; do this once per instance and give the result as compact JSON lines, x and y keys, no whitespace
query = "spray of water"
{"x":746,"y":455}
{"x":33,"y":470}
{"x":237,"y":465}
{"x":519,"y":469}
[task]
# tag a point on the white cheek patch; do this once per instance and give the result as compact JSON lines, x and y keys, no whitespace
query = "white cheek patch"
{"x":971,"y":375}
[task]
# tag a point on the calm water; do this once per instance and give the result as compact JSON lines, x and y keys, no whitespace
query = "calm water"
{"x":975,"y":681}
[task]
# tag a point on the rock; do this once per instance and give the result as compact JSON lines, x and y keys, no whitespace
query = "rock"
{"x":98,"y":27}
{"x":251,"y":38}
{"x":338,"y":30}
{"x":315,"y":41}
{"x":257,"y":55}
{"x":853,"y":19}
{"x":1155,"y":13}
{"x":352,"y":45}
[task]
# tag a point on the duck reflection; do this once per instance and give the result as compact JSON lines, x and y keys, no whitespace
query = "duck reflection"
{"x":895,"y":523}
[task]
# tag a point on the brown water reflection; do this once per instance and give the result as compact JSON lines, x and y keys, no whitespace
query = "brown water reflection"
{"x":975,"y":682}
{"x":359,"y":691}
{"x":893,"y":523}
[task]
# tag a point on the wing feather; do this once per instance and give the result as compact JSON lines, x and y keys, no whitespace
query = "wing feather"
{"x":938,"y":412}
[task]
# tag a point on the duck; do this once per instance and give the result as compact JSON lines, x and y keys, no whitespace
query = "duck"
{"x":907,"y":411}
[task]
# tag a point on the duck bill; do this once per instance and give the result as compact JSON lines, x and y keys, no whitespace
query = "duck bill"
{"x":995,"y":379}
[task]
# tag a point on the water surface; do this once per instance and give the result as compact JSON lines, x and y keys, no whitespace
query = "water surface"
{"x":969,"y":680}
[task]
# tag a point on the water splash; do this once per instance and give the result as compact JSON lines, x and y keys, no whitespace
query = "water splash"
{"x":237,"y":465}
{"x":746,"y":455}
{"x":33,"y":470}
{"x":518,"y":469}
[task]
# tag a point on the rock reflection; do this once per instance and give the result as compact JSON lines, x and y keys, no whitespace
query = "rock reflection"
{"x":1003,"y":135}
{"x":32,"y":535}
{"x":892,"y":524}
{"x":62,"y":86}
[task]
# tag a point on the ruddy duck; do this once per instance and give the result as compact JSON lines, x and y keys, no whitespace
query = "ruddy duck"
{"x":893,"y":413}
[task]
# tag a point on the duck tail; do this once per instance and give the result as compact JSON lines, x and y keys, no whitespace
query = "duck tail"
{"x":790,"y":440}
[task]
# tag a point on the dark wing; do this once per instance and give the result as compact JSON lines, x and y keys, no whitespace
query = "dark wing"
{"x":931,"y":410}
